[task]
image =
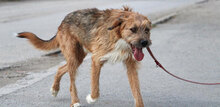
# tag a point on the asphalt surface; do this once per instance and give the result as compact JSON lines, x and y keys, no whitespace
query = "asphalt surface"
{"x":188,"y":45}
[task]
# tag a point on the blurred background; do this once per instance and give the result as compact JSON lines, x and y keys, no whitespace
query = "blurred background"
{"x":185,"y":40}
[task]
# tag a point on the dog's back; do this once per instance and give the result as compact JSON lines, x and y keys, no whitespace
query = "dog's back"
{"x":84,"y":19}
{"x":81,"y":22}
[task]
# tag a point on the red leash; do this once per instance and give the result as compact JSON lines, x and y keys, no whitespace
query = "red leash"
{"x":158,"y":64}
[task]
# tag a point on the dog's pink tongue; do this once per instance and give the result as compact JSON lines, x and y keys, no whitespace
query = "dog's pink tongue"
{"x":138,"y":54}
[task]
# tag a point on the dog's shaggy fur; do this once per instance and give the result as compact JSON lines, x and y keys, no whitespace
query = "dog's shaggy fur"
{"x":111,"y":35}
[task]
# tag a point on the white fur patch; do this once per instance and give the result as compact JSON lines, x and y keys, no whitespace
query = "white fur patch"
{"x":76,"y":105}
{"x":89,"y":99}
{"x":121,"y":51}
{"x":85,"y":50}
{"x":53,"y":92}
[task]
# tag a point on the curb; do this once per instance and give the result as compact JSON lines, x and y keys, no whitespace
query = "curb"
{"x":164,"y":19}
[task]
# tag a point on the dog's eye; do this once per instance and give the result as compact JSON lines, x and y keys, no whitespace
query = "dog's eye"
{"x":134,"y":29}
{"x":147,"y":30}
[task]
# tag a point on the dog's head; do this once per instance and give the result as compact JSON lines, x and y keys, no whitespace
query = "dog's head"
{"x":134,"y":28}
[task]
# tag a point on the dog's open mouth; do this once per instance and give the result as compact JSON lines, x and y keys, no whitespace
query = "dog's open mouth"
{"x":138,"y":53}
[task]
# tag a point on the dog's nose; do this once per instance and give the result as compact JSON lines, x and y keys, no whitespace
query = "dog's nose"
{"x":144,"y":43}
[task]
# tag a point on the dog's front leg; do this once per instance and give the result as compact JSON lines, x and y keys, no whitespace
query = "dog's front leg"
{"x":95,"y":73}
{"x":56,"y":84}
{"x":132,"y":73}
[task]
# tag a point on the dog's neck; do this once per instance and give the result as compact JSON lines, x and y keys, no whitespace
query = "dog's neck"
{"x":120,"y":52}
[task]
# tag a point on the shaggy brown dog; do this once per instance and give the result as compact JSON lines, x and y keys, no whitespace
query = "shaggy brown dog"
{"x":111,"y":35}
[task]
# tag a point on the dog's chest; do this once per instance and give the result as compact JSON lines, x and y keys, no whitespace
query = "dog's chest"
{"x":121,"y":52}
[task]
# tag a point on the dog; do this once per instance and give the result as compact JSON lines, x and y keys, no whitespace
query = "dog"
{"x":111,"y":35}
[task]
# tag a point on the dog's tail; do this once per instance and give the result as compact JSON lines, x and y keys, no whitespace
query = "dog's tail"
{"x":39,"y":43}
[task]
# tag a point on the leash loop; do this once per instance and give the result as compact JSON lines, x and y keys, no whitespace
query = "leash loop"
{"x":161,"y":66}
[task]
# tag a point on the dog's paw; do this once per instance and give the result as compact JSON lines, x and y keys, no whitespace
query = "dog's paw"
{"x":54,"y":92}
{"x":90,"y":100}
{"x":76,"y":105}
{"x":15,"y":34}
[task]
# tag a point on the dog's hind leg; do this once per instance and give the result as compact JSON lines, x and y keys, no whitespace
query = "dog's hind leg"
{"x":74,"y":55}
{"x":56,"y":84}
{"x":132,"y":73}
{"x":95,"y":73}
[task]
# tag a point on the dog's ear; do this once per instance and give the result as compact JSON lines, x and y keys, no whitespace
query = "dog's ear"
{"x":116,"y":23}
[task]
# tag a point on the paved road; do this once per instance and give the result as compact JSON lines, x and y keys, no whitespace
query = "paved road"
{"x":188,"y":45}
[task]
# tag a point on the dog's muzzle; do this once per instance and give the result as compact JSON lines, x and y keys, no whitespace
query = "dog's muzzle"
{"x":137,"y":49}
{"x":143,"y":43}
